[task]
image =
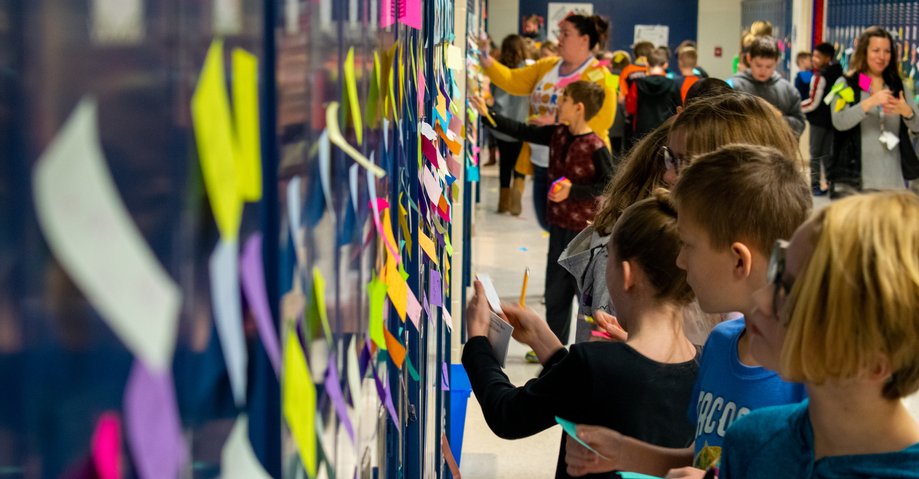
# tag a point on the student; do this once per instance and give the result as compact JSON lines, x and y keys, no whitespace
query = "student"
{"x":689,"y":74}
{"x":841,"y":315}
{"x":653,"y":99}
{"x":860,"y":159}
{"x":640,"y":386}
{"x":638,"y":69}
{"x":818,"y":112}
{"x":732,"y":205}
{"x":697,"y":70}
{"x":805,"y":74}
{"x":619,"y":59}
{"x":578,"y":154}
{"x":762,"y":80}
{"x":547,"y":49}
{"x":705,"y":88}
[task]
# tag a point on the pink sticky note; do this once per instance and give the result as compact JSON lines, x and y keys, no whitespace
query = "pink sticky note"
{"x":152,"y":423}
{"x":106,"y":446}
{"x":565,"y":81}
{"x":864,"y":82}
{"x":387,"y":13}
{"x":252,"y":277}
{"x":413,"y":309}
{"x":602,"y":63}
{"x":375,"y":206}
{"x":448,"y":319}
{"x":410,"y":13}
{"x":420,"y":87}
{"x":430,"y":151}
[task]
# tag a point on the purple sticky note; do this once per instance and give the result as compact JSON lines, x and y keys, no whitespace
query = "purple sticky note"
{"x":427,"y":309}
{"x":864,"y":82}
{"x":445,"y":385}
{"x":391,"y":408}
{"x":436,"y":296}
{"x":252,"y":277}
{"x":152,"y":423}
{"x":333,"y":389}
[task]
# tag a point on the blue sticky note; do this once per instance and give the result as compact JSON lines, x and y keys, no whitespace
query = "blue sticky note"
{"x":472,"y":173}
{"x":572,"y":430}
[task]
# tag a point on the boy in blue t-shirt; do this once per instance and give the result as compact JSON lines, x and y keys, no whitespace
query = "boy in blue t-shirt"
{"x":732,"y":205}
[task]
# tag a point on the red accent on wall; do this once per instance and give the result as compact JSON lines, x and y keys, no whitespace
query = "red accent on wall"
{"x":819,"y":7}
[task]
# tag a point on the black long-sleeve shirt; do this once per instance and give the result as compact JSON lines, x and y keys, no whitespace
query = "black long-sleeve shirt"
{"x":601,"y":383}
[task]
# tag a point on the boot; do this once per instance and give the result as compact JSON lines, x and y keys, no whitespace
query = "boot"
{"x":516,"y":196}
{"x":504,"y":200}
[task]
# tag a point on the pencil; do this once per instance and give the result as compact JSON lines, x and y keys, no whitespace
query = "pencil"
{"x":523,"y":293}
{"x":490,"y":119}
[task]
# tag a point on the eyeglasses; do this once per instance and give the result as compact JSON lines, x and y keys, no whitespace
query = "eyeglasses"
{"x":671,"y":160}
{"x":775,"y":272}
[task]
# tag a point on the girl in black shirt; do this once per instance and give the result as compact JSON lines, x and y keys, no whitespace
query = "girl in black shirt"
{"x":641,"y":387}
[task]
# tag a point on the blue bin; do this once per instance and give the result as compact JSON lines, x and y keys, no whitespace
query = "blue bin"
{"x":459,"y":395}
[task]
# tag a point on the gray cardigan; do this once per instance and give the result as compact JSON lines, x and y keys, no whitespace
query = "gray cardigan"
{"x":779,"y":93}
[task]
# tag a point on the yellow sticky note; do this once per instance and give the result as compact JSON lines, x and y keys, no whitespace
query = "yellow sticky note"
{"x":454,"y":57}
{"x":377,"y":292}
{"x":447,"y":269}
{"x":595,"y":75}
{"x":319,"y":301}
{"x":840,"y":104}
{"x":392,"y":95}
{"x":210,"y":110}
{"x":403,"y":222}
{"x":300,"y":401}
{"x":848,"y":95}
{"x":387,"y":228}
{"x":427,"y":245}
{"x":248,"y":156}
{"x":396,"y":288}
{"x":612,"y":81}
{"x":373,"y":98}
{"x":352,"y":95}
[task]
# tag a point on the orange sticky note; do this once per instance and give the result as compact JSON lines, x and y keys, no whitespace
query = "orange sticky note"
{"x":427,"y":245}
{"x":396,"y":350}
{"x":397,"y":289}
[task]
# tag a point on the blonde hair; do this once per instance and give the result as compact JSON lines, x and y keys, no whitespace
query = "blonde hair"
{"x":761,"y":28}
{"x":858,"y":294}
{"x":709,"y":123}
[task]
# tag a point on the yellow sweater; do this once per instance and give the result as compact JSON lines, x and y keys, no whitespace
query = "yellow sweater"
{"x":522,"y":81}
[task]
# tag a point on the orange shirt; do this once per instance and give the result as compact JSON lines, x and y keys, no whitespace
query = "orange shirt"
{"x":631,"y":73}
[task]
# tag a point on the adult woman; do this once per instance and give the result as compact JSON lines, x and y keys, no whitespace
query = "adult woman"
{"x":597,"y":383}
{"x":544,"y":80}
{"x":842,"y":316}
{"x":871,"y":146}
{"x":513,"y":52}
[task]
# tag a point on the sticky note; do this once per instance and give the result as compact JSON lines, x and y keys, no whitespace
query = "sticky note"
{"x":848,"y":95}
{"x":448,"y":320}
{"x":612,"y":81}
{"x":634,"y":475}
{"x":331,"y":117}
{"x":376,"y":90}
{"x":395,"y":348}
{"x":431,"y":185}
{"x":427,"y":245}
{"x":618,"y":58}
{"x":95,"y":240}
{"x":387,"y":13}
{"x":377,"y":292}
{"x":413,"y":309}
{"x":436,"y":289}
{"x":319,"y":302}
{"x":836,"y":89}
{"x":224,"y":276}
{"x":374,"y":205}
{"x":248,"y":157}
{"x":397,"y":290}
{"x":106,"y":446}
{"x":572,"y":430}
{"x":325,"y":168}
{"x":351,"y":86}
{"x":565,"y":81}
{"x":840,"y":104}
{"x":210,"y":109}
{"x":237,"y":459}
{"x":411,"y":369}
{"x":333,"y":389}
{"x":445,"y":378}
{"x":454,"y":57}
{"x":490,"y":294}
{"x":299,"y":399}
{"x":403,"y":223}
{"x":864,"y":82}
{"x":448,"y":456}
{"x":595,"y":75}
{"x":354,"y":377}
{"x":353,"y":185}
{"x":419,"y":86}
{"x":152,"y":423}
{"x":252,"y":278}
{"x":602,"y":63}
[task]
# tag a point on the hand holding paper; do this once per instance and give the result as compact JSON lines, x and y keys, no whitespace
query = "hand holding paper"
{"x":533,"y":331}
{"x":592,"y":450}
{"x":477,"y":313}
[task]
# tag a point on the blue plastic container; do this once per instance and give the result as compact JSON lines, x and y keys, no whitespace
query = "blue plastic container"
{"x":459,"y":395}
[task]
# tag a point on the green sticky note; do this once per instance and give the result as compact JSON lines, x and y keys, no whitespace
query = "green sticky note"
{"x":836,"y":89}
{"x":351,"y":86}
{"x":392,"y":93}
{"x":848,"y":95}
{"x":448,"y":246}
{"x":377,"y":291}
{"x":572,"y":430}
{"x":300,"y":402}
{"x":319,"y":301}
{"x":411,"y":369}
{"x":373,"y":98}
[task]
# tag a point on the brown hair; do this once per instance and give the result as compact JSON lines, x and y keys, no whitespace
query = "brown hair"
{"x":685,"y":44}
{"x":513,"y":51}
{"x":624,"y":60}
{"x":550,"y":46}
{"x":706,"y":88}
{"x":589,"y":94}
{"x":764,"y":47}
{"x":642,"y":49}
{"x":594,"y":26}
{"x":709,"y":123}
{"x":688,"y":57}
{"x":658,"y":58}
{"x":859,"y":62}
{"x":802,"y":55}
{"x":647,"y":233}
{"x":858,"y":294}
{"x":748,"y":193}
{"x":637,"y":177}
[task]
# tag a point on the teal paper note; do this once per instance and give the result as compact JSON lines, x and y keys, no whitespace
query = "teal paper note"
{"x":572,"y":430}
{"x":635,"y":475}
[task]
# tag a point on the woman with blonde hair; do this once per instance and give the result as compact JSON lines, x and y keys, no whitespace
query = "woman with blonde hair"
{"x":841,"y":315}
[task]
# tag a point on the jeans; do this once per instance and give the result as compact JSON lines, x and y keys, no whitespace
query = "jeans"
{"x":541,"y":195}
{"x":821,"y":144}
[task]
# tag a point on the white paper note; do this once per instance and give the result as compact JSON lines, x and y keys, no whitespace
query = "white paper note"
{"x":499,"y":335}
{"x":224,"y":269}
{"x":95,"y":240}
{"x":238,"y":461}
{"x":490,"y":293}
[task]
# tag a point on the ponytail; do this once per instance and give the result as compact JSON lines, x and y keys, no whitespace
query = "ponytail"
{"x":594,"y":26}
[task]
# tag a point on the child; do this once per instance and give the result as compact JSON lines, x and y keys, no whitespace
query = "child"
{"x":638,"y":69}
{"x":639,"y":386}
{"x":653,"y":99}
{"x":577,"y":154}
{"x":842,"y":316}
{"x":732,"y":205}
{"x":687,"y":59}
{"x":805,"y":74}
{"x":762,"y":80}
{"x":619,"y":59}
